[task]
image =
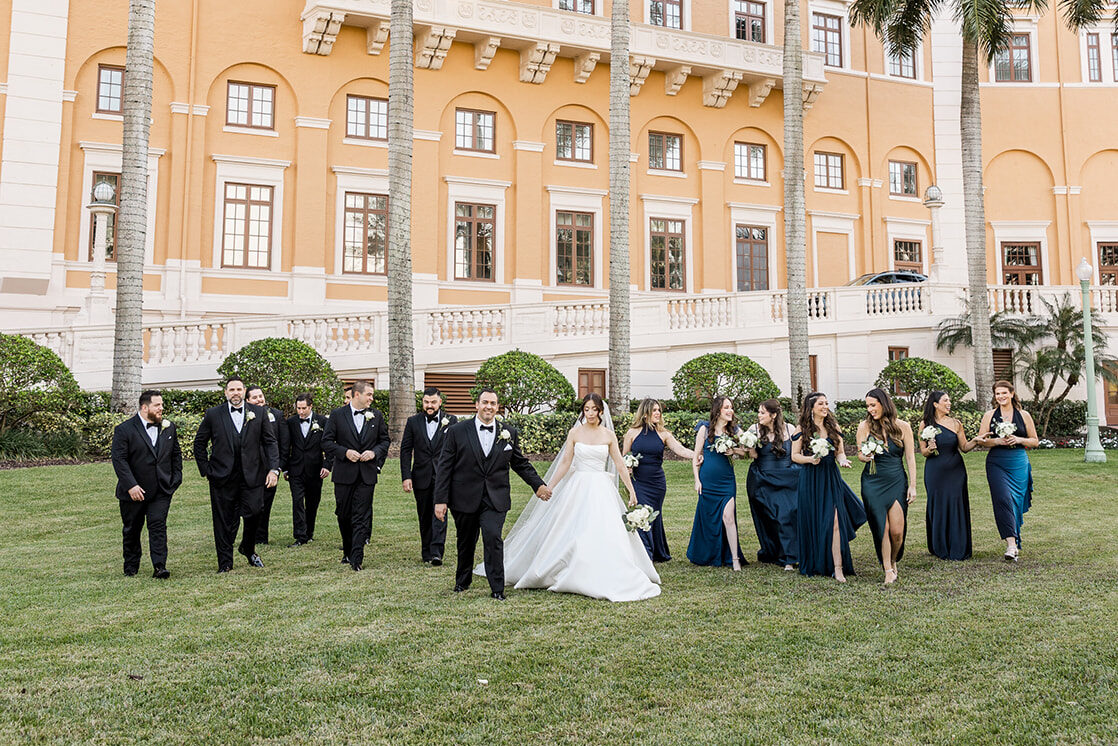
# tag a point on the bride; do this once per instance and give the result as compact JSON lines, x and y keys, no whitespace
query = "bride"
{"x":577,"y":542}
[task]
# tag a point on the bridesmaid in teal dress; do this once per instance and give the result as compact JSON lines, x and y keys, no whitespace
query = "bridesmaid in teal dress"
{"x":1008,"y":470}
{"x":887,"y":489}
{"x":714,"y":535}
{"x":772,"y":486}
{"x":828,"y":511}
{"x":945,"y":480}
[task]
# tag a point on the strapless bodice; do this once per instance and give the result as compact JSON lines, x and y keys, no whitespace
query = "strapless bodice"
{"x":590,"y":457}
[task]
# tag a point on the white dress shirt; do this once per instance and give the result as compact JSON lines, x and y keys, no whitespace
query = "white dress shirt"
{"x":486,"y":437}
{"x":432,"y":427}
{"x":358,"y":418}
{"x":152,"y":432}
{"x":305,"y":426}
{"x":238,"y":417}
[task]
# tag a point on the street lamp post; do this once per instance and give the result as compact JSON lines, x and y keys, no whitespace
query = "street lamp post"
{"x":933,"y":200}
{"x":1094,"y":452}
{"x":102,"y":205}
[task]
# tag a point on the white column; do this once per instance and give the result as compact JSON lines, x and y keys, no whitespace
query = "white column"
{"x":947,"y":56}
{"x":32,"y":134}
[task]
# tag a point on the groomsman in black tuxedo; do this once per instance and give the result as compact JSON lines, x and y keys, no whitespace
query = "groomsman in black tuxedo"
{"x":243,"y":461}
{"x":419,"y":449}
{"x":356,"y":438}
{"x":148,"y":465}
{"x":472,"y":478}
{"x":255,"y":395}
{"x":307,"y":466}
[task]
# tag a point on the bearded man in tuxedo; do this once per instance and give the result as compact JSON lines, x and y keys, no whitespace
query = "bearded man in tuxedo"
{"x":419,"y":449}
{"x":307,"y":466}
{"x":148,"y":465}
{"x":243,"y":461}
{"x":276,"y":421}
{"x":356,"y":438}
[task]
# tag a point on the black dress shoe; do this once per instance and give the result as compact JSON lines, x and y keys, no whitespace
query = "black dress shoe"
{"x":227,"y":568}
{"x":345,"y":560}
{"x":296,"y":543}
{"x":130,"y":573}
{"x":161,"y":572}
{"x":255,"y":561}
{"x":459,"y":588}
{"x":357,"y":568}
{"x":436,"y":561}
{"x":496,"y":596}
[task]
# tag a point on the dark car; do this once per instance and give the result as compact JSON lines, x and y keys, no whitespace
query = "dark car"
{"x":888,"y":278}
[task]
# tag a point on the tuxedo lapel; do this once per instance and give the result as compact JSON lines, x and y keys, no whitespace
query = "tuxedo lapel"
{"x":142,"y":427}
{"x":475,"y":444}
{"x":227,"y":421}
{"x":160,"y":443}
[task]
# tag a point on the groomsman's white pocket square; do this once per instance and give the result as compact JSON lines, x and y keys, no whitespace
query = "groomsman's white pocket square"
{"x":508,"y":448}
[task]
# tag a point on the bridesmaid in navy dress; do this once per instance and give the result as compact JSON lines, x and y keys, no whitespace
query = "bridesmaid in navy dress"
{"x":772,"y":487}
{"x":715,"y":529}
{"x":828,"y":511}
{"x":1007,"y":465}
{"x":945,"y":480}
{"x":647,"y":438}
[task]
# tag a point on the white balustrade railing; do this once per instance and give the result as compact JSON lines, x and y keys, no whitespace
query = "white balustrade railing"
{"x":356,"y":333}
{"x":581,"y":319}
{"x":58,"y":341}
{"x":701,"y":312}
{"x":465,"y":326}
{"x":186,"y":343}
{"x":1020,"y":299}
{"x":1104,"y":299}
{"x":896,"y":300}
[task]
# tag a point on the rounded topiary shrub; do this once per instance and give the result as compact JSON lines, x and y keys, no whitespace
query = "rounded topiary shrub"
{"x":32,"y":379}
{"x":524,"y":382}
{"x":699,"y":380}
{"x":285,"y":368}
{"x":918,"y":377}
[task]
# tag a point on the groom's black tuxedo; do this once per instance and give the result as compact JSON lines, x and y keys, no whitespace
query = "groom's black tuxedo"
{"x":476,"y":489}
{"x":158,"y":470}
{"x":418,"y":455}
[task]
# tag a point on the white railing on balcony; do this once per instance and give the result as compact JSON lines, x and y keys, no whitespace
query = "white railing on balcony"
{"x":703,"y":312}
{"x":58,"y":341}
{"x":189,"y":342}
{"x":896,"y":300}
{"x":466,"y":326}
{"x":1022,"y":299}
{"x":1104,"y":299}
{"x":580,"y":319}
{"x":356,"y":333}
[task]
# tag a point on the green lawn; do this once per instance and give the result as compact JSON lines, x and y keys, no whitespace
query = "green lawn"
{"x":305,"y":651}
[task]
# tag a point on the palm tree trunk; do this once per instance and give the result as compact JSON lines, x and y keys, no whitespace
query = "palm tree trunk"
{"x":401,"y":86}
{"x":970,"y":128}
{"x":619,"y":149}
{"x":128,"y":346}
{"x":795,"y":217}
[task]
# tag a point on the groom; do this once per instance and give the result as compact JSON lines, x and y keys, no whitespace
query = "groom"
{"x":472,"y":478}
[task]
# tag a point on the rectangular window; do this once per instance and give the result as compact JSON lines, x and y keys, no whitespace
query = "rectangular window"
{"x":1014,"y":64}
{"x":902,"y":179}
{"x":110,"y":89}
{"x":574,"y":248}
{"x":1108,"y":263}
{"x":113,"y":180}
{"x":826,"y":38}
{"x":829,"y":171}
{"x":749,"y":21}
{"x":591,"y":381}
{"x":665,"y":151}
{"x":474,"y":241}
{"x":574,"y":141}
{"x":903,"y":65}
{"x":749,"y":161}
{"x":247,"y":231}
{"x":365,"y":243}
{"x":666,"y":13}
{"x":897,"y":353}
{"x":1021,"y":263}
{"x":908,"y":255}
{"x":475,"y":130}
{"x":666,"y":249}
{"x":578,"y":6}
{"x":366,"y":118}
{"x":1094,"y":59}
{"x":752,"y":244}
{"x":250,"y":105}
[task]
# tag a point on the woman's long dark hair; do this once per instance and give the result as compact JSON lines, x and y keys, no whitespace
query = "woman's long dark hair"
{"x":886,"y":428}
{"x":778,"y":430}
{"x":597,"y":402}
{"x":715,"y":413}
{"x":807,"y":423}
{"x":930,"y":407}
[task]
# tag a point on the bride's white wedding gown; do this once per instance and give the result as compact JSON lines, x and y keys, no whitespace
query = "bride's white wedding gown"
{"x":576,"y":542}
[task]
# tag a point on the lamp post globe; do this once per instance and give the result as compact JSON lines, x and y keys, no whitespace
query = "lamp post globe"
{"x":104,"y":194}
{"x":1093,"y":453}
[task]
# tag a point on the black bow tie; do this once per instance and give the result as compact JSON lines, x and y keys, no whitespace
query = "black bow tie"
{"x":358,"y":411}
{"x":304,"y":419}
{"x":487,"y":428}
{"x":235,"y":409}
{"x":433,"y":417}
{"x":153,"y":424}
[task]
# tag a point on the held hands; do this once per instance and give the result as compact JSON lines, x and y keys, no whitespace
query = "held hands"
{"x":136,"y":493}
{"x":544,"y":492}
{"x":407,"y":485}
{"x":440,"y":511}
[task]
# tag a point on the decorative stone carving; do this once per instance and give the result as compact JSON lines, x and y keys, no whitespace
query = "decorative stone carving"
{"x":376,"y":34}
{"x":759,"y":91}
{"x":431,"y":46}
{"x":585,"y":64}
{"x":718,"y":88}
{"x":535,"y":61}
{"x":675,"y":78}
{"x":484,"y":51}
{"x":639,"y":68}
{"x":320,"y":31}
{"x":811,"y":92}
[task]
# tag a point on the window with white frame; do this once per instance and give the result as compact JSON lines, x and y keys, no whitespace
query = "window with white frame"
{"x":578,"y":6}
{"x":366,"y":118}
{"x":110,"y":89}
{"x":475,"y":130}
{"x":751,"y":243}
{"x":667,"y":13}
{"x":903,"y":64}
{"x":829,"y":171}
{"x":1014,"y":63}
{"x":574,"y":248}
{"x":826,"y":38}
{"x":902,"y":179}
{"x":250,"y":105}
{"x":574,"y":141}
{"x":247,"y":226}
{"x":749,"y":20}
{"x":666,"y":254}
{"x":1094,"y":59}
{"x":749,"y":161}
{"x":665,"y":151}
{"x":365,"y":245}
{"x":474,"y":241}
{"x":1108,"y":263}
{"x":908,"y":255}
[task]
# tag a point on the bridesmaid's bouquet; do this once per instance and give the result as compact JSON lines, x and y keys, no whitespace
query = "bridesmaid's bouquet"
{"x":871,"y":447}
{"x":1005,"y":429}
{"x":820,"y":447}
{"x":631,"y":460}
{"x":725,"y":444}
{"x":928,"y":435}
{"x":748,"y":439}
{"x":640,"y":518}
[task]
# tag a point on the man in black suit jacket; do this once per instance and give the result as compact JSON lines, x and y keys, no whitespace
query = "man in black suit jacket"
{"x":244,"y":461}
{"x":148,"y":465}
{"x":357,"y":439}
{"x":255,"y":395}
{"x":419,"y":448}
{"x":472,"y":478}
{"x":307,"y":466}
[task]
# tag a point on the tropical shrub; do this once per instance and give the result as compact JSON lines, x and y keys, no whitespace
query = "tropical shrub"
{"x":285,"y":368}
{"x":525,"y":383}
{"x":918,"y":377}
{"x":745,"y":382}
{"x":32,"y":379}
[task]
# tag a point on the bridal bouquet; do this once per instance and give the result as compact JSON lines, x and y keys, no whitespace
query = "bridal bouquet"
{"x":1005,"y":429}
{"x":871,"y":447}
{"x":929,"y":434}
{"x":820,"y":447}
{"x":640,"y":518}
{"x":631,"y":460}
{"x":725,"y":444}
{"x":748,"y":439}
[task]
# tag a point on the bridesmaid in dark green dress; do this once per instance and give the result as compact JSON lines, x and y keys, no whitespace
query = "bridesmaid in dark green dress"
{"x":887,"y":488}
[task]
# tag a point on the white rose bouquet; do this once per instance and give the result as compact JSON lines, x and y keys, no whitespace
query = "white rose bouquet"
{"x":640,"y":518}
{"x":1005,"y":429}
{"x":871,"y":447}
{"x":725,"y":444}
{"x":820,"y":447}
{"x":929,"y":434}
{"x":631,"y":460}
{"x":748,"y":439}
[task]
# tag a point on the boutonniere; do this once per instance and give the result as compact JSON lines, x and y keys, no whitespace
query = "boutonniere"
{"x":166,"y":424}
{"x":444,"y":422}
{"x":271,"y":417}
{"x":250,"y":416}
{"x":370,"y":415}
{"x":315,"y":426}
{"x":505,"y":435}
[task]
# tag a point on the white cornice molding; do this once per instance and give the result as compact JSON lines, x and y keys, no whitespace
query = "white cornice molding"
{"x":906,"y":221}
{"x":477,"y":182}
{"x":712,"y":165}
{"x":529,"y":145}
{"x":432,"y":135}
{"x":313,"y":123}
{"x":749,"y":206}
{"x":1011,"y":224}
{"x":1067,"y":189}
{"x":357,"y":171}
{"x":198,"y":110}
{"x":108,"y":147}
{"x":245,"y":160}
{"x":69,"y":95}
{"x":834,"y":215}
{"x":875,"y":183}
{"x":556,"y":189}
{"x":671,"y":199}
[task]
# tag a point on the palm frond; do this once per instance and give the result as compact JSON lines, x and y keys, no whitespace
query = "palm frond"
{"x":1079,"y":14}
